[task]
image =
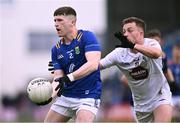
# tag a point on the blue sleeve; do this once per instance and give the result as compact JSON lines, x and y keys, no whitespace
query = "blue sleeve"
{"x":54,"y":59}
{"x":165,"y":65}
{"x":91,"y":42}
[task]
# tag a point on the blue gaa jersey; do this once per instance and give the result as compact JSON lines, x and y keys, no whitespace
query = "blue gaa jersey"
{"x":71,"y":57}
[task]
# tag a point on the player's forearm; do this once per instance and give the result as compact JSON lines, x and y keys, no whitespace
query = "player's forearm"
{"x":86,"y":69}
{"x":58,"y":73}
{"x":93,"y":58}
{"x":124,"y":80}
{"x":149,"y":51}
{"x":169,"y":75}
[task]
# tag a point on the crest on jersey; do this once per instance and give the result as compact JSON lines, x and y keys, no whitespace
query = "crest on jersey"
{"x":77,"y":50}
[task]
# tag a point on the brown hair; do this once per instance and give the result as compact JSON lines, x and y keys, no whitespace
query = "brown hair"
{"x":139,"y":22}
{"x":153,"y":33}
{"x":65,"y":11}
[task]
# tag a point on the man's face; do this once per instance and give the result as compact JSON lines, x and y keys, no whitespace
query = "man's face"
{"x":63,"y":25}
{"x":134,"y":33}
{"x":176,"y":52}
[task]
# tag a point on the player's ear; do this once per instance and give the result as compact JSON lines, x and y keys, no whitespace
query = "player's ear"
{"x":141,"y":32}
{"x":74,"y":21}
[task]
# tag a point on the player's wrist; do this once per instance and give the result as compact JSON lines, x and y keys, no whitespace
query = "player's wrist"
{"x":71,"y":77}
{"x":132,"y":45}
{"x":135,"y":46}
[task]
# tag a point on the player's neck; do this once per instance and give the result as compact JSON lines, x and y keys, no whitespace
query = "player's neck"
{"x":70,"y":36}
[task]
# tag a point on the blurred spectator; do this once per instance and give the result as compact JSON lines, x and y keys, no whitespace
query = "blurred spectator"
{"x":175,"y":67}
{"x":156,"y":34}
{"x":8,"y":112}
{"x":126,"y":92}
{"x":21,"y":109}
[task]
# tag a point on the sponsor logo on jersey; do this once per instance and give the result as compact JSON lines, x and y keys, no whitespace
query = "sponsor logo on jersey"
{"x":139,"y":73}
{"x":71,"y":68}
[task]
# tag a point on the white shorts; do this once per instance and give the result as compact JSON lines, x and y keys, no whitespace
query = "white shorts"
{"x":148,"y":117}
{"x":69,"y":107}
{"x":164,"y":97}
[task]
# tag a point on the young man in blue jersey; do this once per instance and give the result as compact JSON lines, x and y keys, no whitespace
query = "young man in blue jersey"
{"x":75,"y":59}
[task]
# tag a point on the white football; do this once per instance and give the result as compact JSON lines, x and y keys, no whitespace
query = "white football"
{"x":39,"y":90}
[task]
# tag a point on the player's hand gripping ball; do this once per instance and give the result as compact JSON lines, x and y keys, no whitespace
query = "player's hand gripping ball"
{"x":39,"y":91}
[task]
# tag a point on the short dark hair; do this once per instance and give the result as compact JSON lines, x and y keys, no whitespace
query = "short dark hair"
{"x":153,"y":33}
{"x":139,"y":22}
{"x":66,"y":10}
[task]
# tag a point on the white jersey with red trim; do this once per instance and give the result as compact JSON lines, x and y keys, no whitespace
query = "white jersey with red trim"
{"x":145,"y":75}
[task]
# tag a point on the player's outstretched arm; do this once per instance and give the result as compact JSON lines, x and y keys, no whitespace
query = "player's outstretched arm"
{"x":93,"y":58}
{"x":153,"y":51}
{"x":150,"y":51}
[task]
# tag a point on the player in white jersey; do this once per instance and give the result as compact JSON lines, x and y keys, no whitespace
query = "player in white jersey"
{"x":140,"y":60}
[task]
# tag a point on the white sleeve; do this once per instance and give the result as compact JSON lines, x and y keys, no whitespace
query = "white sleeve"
{"x":155,"y":44}
{"x":110,"y":59}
